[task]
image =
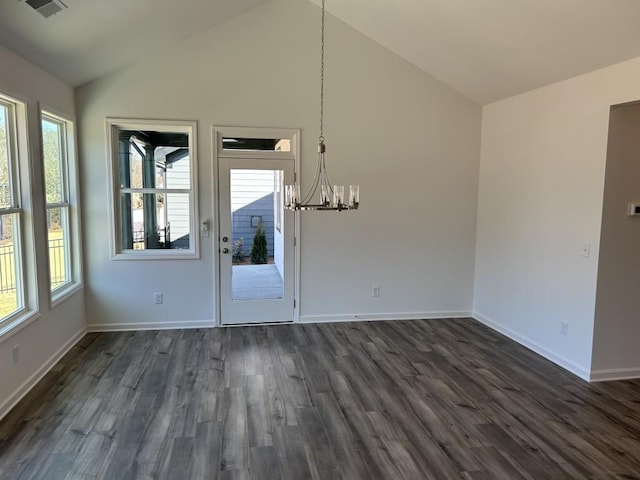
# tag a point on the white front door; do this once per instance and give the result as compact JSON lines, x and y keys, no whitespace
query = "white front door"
{"x":256,"y":246}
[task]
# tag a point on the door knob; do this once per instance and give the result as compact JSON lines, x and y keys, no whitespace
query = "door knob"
{"x":225,"y":250}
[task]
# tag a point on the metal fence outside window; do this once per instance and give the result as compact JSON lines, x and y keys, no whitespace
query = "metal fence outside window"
{"x":7,"y":265}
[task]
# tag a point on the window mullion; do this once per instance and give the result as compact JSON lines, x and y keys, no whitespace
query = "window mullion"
{"x":155,"y":190}
{"x":51,"y":206}
{"x":10,"y":210}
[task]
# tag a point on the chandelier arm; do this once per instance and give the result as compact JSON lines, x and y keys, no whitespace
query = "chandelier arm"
{"x":325,"y":176}
{"x":327,"y":181}
{"x":314,"y":186}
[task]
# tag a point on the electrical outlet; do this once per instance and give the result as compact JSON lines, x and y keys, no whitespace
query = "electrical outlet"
{"x":157,"y":298}
{"x":16,"y":354}
{"x":564,"y":328}
{"x":375,"y":291}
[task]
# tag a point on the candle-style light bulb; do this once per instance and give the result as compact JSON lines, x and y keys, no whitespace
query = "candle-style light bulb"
{"x":296,"y":194}
{"x":354,"y":196}
{"x":287,"y":196}
{"x":325,"y":195}
{"x":338,"y":195}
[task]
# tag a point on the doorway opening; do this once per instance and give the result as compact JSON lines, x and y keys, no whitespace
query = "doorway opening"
{"x":257,"y":257}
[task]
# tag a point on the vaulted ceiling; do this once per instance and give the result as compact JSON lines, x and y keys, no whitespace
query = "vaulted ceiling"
{"x":485,"y":49}
{"x":91,"y":38}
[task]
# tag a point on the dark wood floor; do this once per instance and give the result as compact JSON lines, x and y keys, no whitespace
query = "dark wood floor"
{"x":384,"y":400}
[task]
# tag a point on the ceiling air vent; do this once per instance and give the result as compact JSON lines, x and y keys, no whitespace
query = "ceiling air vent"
{"x":46,"y":8}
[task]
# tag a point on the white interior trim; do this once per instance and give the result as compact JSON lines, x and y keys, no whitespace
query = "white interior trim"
{"x":614,"y":374}
{"x":190,"y":127}
{"x":132,"y":327}
{"x":581,"y":372}
{"x":361,"y":317}
{"x":39,"y":374}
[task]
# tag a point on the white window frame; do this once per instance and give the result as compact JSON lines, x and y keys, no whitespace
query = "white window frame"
{"x":70,"y":202}
{"x":117,"y":250}
{"x":24,"y":243}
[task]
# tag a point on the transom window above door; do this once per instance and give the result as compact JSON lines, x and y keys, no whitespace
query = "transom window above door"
{"x":257,"y":144}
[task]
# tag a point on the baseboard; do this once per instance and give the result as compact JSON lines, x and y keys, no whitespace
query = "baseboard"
{"x":537,"y":348}
{"x":126,"y":327}
{"x":371,"y":317}
{"x":30,"y":382}
{"x":614,"y":374}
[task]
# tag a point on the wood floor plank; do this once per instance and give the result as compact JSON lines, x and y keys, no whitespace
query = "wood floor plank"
{"x":258,"y":422}
{"x":263,"y":460}
{"x":347,"y":450}
{"x":235,"y":445}
{"x":206,"y":454}
{"x":320,"y":455}
{"x":292,"y":457}
{"x":372,"y":400}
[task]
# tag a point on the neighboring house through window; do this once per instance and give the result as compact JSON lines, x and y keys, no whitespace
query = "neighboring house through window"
{"x":153,"y":175}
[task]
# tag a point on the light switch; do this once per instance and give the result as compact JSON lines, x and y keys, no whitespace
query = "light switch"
{"x":586,"y":249}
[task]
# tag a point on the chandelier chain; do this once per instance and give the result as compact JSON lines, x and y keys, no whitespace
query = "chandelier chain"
{"x":331,"y":197}
{"x":321,"y":138}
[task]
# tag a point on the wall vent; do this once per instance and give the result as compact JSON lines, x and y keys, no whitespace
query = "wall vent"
{"x":46,"y":8}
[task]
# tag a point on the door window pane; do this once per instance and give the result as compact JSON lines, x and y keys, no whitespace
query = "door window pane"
{"x":257,"y":246}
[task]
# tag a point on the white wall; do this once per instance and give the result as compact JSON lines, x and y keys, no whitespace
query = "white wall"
{"x":540,"y":198}
{"x":43,"y":340}
{"x":409,"y":141}
{"x":617,"y":330}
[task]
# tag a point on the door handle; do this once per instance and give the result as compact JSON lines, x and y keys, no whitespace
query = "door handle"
{"x":225,"y":250}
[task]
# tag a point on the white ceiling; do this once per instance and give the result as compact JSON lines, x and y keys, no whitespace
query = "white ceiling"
{"x":493,"y":49}
{"x":485,"y":49}
{"x":95,"y":37}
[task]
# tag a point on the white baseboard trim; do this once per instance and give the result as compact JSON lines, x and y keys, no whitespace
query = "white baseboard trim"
{"x":372,"y":317}
{"x":127,"y":327}
{"x":537,"y":348}
{"x":615,"y":374}
{"x":39,"y":374}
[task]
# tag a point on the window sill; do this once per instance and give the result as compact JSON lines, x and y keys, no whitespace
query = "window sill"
{"x":151,"y":255}
{"x":14,"y":326}
{"x":60,"y":296}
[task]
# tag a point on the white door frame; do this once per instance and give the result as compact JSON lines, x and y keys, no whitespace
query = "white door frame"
{"x":217,"y":134}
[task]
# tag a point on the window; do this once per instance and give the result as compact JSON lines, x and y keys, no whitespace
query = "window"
{"x":257,"y":144}
{"x":154,"y":177}
{"x":60,"y":182}
{"x":12,"y":298}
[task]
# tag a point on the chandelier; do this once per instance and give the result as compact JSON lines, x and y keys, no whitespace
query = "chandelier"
{"x":331,"y":197}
